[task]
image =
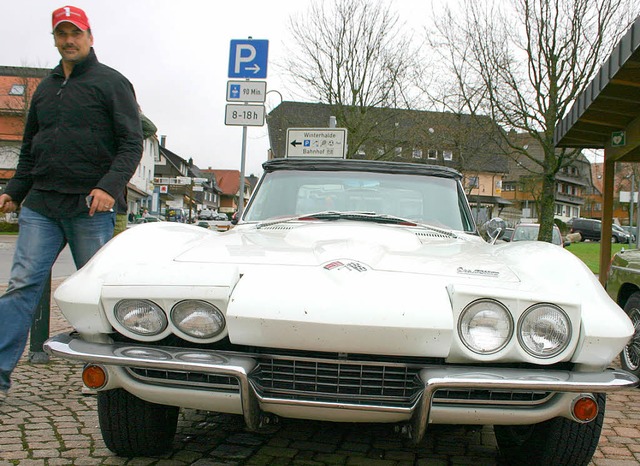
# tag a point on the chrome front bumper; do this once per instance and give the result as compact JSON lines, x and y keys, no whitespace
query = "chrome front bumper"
{"x":432,"y":378}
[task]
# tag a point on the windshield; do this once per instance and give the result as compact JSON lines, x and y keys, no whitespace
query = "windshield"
{"x":421,"y":199}
{"x":530,"y":233}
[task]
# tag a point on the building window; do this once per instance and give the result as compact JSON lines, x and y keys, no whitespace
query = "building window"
{"x":508,"y":186}
{"x":472,"y":182}
{"x":417,"y":153}
{"x":559,"y":209}
{"x":17,"y":89}
{"x":398,"y":151}
{"x":432,"y":154}
{"x":447,"y":155}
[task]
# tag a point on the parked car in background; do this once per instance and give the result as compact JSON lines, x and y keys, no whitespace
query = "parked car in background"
{"x":622,"y":235}
{"x":591,"y":229}
{"x":623,"y":285}
{"x":529,"y":232}
{"x":633,"y":231}
{"x":216,"y":225}
{"x":508,"y":233}
{"x":348,"y":291}
{"x":142,"y":220}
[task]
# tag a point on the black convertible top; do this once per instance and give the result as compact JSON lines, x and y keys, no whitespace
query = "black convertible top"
{"x":326,"y":164}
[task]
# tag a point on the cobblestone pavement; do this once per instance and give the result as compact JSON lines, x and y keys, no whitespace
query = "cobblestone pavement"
{"x":48,"y":421}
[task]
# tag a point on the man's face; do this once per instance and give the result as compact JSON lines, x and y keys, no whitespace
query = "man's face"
{"x":72,"y":43}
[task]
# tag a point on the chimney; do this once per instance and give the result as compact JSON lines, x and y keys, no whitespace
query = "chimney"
{"x":163,"y":140}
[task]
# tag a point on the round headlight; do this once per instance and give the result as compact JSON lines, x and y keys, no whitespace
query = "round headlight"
{"x":544,"y":330}
{"x":198,"y":319}
{"x":140,"y":316}
{"x":485,"y":326}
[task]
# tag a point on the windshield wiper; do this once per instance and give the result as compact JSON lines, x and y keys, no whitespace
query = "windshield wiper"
{"x":360,"y":216}
{"x":336,"y":215}
{"x":356,"y":216}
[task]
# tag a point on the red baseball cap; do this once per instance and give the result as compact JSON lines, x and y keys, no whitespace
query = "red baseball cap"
{"x":70,"y":14}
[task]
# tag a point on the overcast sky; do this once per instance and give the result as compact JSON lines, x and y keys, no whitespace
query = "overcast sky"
{"x":176,"y":54}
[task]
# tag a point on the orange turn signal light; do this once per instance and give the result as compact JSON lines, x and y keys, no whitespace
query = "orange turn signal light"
{"x":94,"y":376}
{"x":585,"y":409}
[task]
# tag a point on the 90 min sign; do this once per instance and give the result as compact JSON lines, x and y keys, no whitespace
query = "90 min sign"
{"x":244,"y":115}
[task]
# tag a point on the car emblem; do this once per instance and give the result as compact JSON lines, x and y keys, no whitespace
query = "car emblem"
{"x":346,"y":265}
{"x":481,"y":272}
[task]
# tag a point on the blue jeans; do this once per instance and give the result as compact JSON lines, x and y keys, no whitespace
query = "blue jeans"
{"x":39,"y":242}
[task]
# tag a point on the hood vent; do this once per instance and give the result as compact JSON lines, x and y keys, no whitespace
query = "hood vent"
{"x":279,"y":227}
{"x":429,"y":235}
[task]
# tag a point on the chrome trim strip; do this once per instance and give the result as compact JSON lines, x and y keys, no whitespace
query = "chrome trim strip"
{"x":434,"y":378}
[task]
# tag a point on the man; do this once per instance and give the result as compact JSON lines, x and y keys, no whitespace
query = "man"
{"x":82,"y":143}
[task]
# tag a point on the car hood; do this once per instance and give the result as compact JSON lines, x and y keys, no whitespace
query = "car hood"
{"x":342,"y":286}
{"x":367,"y":245}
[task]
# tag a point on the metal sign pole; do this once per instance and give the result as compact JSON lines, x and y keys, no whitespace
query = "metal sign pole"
{"x":242,"y":163}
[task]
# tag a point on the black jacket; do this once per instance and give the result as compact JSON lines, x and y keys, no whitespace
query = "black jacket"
{"x":81,"y":133}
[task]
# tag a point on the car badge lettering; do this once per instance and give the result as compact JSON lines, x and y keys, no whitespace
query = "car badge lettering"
{"x":350,"y":266}
{"x":481,"y":272}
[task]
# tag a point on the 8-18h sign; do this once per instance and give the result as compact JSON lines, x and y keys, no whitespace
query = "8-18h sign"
{"x":244,"y":115}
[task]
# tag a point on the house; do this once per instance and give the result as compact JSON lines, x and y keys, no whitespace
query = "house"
{"x":179,"y":184}
{"x":17,"y":85}
{"x":229,"y":184}
{"x":626,"y":180}
{"x":523,"y":183}
{"x":469,"y":144}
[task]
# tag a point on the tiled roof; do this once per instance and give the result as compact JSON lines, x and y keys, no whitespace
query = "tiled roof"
{"x":227,"y":180}
{"x":402,"y":128}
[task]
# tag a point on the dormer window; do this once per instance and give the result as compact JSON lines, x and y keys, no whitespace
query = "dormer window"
{"x":17,"y":89}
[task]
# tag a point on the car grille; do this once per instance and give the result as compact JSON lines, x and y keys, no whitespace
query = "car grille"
{"x":186,"y":379}
{"x":331,"y":381}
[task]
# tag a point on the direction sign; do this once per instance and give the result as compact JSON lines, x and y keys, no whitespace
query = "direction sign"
{"x":316,"y":142}
{"x":246,"y":91}
{"x":248,"y":58}
{"x":244,"y":115}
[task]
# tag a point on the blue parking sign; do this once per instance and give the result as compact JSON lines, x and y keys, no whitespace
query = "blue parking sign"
{"x":248,"y":58}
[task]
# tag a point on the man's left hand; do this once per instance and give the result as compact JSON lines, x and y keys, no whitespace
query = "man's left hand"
{"x":101,"y":202}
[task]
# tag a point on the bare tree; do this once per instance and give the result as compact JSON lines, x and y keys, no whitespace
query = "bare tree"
{"x":524,"y":64}
{"x":352,"y":55}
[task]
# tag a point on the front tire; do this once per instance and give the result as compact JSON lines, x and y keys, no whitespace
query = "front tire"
{"x":134,"y":427}
{"x":630,"y":355}
{"x":558,"y":441}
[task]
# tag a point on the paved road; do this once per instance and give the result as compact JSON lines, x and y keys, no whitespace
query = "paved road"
{"x":47,"y":421}
{"x":63,"y":267}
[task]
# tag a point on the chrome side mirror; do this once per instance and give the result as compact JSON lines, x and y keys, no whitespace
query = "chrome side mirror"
{"x":492,"y":230}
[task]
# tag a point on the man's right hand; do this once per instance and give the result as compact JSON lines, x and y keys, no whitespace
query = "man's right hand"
{"x":6,"y":204}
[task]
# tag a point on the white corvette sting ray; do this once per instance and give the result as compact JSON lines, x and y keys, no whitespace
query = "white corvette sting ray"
{"x":349,"y":291}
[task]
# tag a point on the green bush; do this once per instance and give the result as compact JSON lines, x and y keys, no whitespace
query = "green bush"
{"x":6,"y":227}
{"x":564,"y":229}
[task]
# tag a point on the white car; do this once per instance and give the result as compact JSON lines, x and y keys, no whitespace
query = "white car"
{"x":349,"y":291}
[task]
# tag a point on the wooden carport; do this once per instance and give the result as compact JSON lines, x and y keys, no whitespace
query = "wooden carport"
{"x":607,"y":116}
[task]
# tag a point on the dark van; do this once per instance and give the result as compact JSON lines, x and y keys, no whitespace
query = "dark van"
{"x":592,"y":229}
{"x":588,"y":228}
